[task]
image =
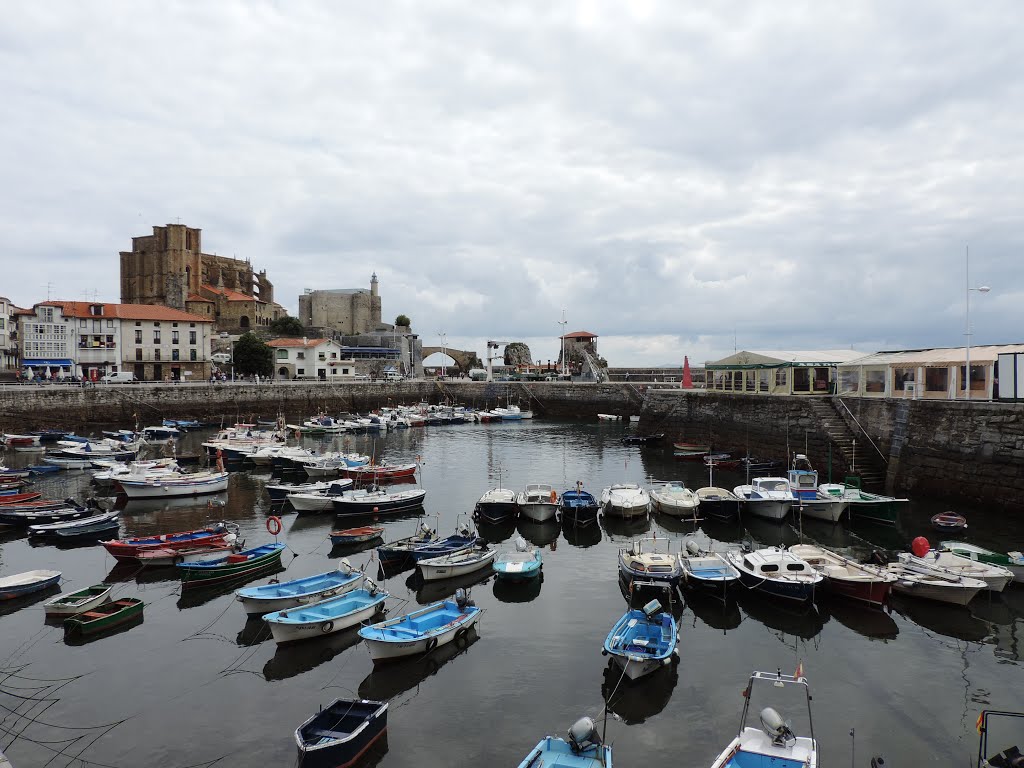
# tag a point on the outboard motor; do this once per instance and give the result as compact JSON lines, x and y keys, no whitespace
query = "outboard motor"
{"x":692,"y":548}
{"x":583,"y":734}
{"x":878,"y":762}
{"x":652,"y":608}
{"x":462,"y":599}
{"x":344,"y":566}
{"x":776,"y":728}
{"x":521,"y":545}
{"x":370,"y":585}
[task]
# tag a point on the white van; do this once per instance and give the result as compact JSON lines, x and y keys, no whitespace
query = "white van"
{"x":125,"y":377}
{"x":221,"y":357}
{"x":393,"y":376}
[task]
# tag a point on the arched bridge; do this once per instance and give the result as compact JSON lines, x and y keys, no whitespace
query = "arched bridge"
{"x":463,"y":359}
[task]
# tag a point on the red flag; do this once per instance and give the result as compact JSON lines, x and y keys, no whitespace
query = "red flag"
{"x":799,"y":670}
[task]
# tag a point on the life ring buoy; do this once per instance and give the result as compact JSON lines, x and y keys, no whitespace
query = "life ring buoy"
{"x":327,"y":626}
{"x":273,"y":525}
{"x":431,"y":645}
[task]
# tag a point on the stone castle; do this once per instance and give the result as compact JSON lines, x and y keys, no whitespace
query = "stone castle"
{"x":345,"y":311}
{"x":169,"y":268}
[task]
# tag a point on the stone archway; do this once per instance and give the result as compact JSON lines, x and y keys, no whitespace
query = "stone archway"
{"x":243,"y":321}
{"x":463,"y":359}
{"x":282,"y":373}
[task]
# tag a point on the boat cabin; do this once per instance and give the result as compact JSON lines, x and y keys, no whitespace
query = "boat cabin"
{"x":772,"y":563}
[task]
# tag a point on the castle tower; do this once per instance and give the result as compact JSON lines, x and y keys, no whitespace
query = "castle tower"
{"x":162,"y":268}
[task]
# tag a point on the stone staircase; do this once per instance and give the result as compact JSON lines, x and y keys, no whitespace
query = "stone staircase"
{"x":854,"y":447}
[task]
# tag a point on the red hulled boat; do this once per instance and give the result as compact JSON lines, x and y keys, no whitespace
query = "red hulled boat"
{"x":128,"y":549}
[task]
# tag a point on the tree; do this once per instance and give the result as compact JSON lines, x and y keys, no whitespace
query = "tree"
{"x":253,"y":356}
{"x":403,"y":320}
{"x":287,"y":326}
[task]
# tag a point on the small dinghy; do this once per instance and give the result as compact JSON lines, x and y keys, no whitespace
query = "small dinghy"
{"x":291,"y":594}
{"x":18,"y":498}
{"x":995,"y":576}
{"x":579,"y":506}
{"x":707,"y":571}
{"x":582,"y":750}
{"x":422,"y":631}
{"x":1013,"y":561}
{"x":643,"y":640}
{"x":78,"y":602}
{"x":100,"y":618}
{"x":51,"y":529}
{"x":949,"y":522}
{"x":246,"y":564}
{"x":21,"y":584}
{"x":397,"y":553}
{"x":459,"y":542}
{"x":87,"y":532}
{"x":128,"y":549}
{"x":356,"y":535}
{"x":377,"y":501}
{"x":197,"y":553}
{"x":457,"y":563}
{"x":338,"y":736}
{"x":915,"y":579}
{"x":318,"y":501}
{"x":521,"y":565}
{"x":326,"y":617}
{"x":868,"y":583}
{"x":774,"y":743}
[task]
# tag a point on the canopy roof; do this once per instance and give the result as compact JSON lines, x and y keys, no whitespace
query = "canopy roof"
{"x":940,"y":356}
{"x":784,"y":359}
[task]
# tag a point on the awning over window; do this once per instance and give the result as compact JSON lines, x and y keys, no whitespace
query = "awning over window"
{"x":43,"y":362}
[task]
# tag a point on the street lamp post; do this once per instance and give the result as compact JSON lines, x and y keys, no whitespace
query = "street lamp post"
{"x":444,"y":350}
{"x":967,"y":313}
{"x":563,"y":322}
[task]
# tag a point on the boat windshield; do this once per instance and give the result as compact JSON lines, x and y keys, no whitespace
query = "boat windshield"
{"x":773,"y":485}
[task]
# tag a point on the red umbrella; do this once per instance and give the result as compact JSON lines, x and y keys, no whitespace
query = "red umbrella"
{"x":687,"y":382}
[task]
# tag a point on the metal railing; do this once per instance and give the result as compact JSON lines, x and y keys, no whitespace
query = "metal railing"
{"x":863,"y":431}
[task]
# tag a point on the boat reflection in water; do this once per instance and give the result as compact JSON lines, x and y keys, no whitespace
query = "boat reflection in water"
{"x":539,"y":534}
{"x":1001,"y":609}
{"x":950,"y":620}
{"x":714,"y":612}
{"x":495,"y":533}
{"x":866,"y":621}
{"x":296,"y":658}
{"x":132,"y":507}
{"x":626,"y":527}
{"x":15,"y":604}
{"x":804,"y":621}
{"x":255,"y":631}
{"x":396,"y":677}
{"x":634,"y":701}
{"x":769,"y":533}
{"x":518,"y":591}
{"x":581,"y":536}
{"x":428,"y":592}
{"x":123,"y":573}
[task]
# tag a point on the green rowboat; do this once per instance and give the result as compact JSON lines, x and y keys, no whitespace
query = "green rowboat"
{"x":103,"y":617}
{"x":239,"y":565}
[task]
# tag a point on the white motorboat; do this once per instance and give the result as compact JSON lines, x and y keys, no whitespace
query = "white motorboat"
{"x":927,"y":583}
{"x":674,"y":498}
{"x":456,"y":563}
{"x":776,"y":572}
{"x":995,"y":576}
{"x":319,"y":501}
{"x":539,"y":502}
{"x":803,"y":480}
{"x":77,"y":602}
{"x":195,"y":484}
{"x":625,"y":500}
{"x":768,"y":497}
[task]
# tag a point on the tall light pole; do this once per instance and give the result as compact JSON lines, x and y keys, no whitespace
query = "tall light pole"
{"x":444,"y":350}
{"x":563,"y":322}
{"x":967,"y":313}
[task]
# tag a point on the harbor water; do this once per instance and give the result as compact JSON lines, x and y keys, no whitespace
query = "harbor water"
{"x":195,"y":683}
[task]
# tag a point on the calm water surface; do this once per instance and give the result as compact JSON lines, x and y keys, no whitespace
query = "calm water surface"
{"x":196,"y":682}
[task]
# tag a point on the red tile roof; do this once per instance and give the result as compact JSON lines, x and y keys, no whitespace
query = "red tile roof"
{"x":125,"y":311}
{"x":296,"y":342}
{"x":197,"y":297}
{"x":229,"y":294}
{"x":580,"y":335}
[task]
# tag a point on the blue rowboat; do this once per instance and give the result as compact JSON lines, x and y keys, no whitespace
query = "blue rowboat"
{"x":422,"y":631}
{"x":642,"y":640}
{"x":26,"y":583}
{"x":43,"y":469}
{"x":579,"y":506}
{"x":583,"y":749}
{"x":522,"y":565}
{"x":236,"y":566}
{"x":707,"y":571}
{"x":338,"y":736}
{"x":324,"y":618}
{"x":459,"y":542}
{"x":290,"y":594}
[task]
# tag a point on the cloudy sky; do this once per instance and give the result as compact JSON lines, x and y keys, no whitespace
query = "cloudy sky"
{"x":792,"y":175}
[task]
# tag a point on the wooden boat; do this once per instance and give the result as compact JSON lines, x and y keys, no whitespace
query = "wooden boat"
{"x":339,"y":736}
{"x":458,"y":542}
{"x":694,"y":451}
{"x":318,"y":501}
{"x":355,"y":535}
{"x":196,"y":553}
{"x":456,"y":563}
{"x":247,"y":563}
{"x":521,"y":565}
{"x":707,"y":571}
{"x":579,"y":506}
{"x":21,"y":584}
{"x":69,"y":512}
{"x":298,"y":592}
{"x":949,"y":522}
{"x":719,"y":503}
{"x":328,"y":616}
{"x":674,"y":498}
{"x":102,"y":617}
{"x":582,"y":750}
{"x":398,"y":552}
{"x":650,"y":560}
{"x":78,"y":602}
{"x":538,"y":502}
{"x":643,"y":640}
{"x":845,"y":577}
{"x":1012,"y":561}
{"x":7,"y":475}
{"x":767,"y":497}
{"x":864,"y":506}
{"x":777,"y":573}
{"x":90,"y":532}
{"x":377,"y":501}
{"x":18,"y":498}
{"x":933,"y":584}
{"x":127,"y":549}
{"x":421,"y":631}
{"x":774,"y":743}
{"x":196,"y":484}
{"x":995,"y":576}
{"x":50,"y":529}
{"x":380,"y":472}
{"x":625,"y":500}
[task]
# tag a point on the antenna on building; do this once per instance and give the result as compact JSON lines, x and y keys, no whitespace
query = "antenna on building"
{"x":49,"y":288}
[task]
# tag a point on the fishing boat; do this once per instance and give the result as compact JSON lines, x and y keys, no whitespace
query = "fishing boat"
{"x":625,"y":500}
{"x":496,"y":505}
{"x":68,"y":510}
{"x":377,"y":501}
{"x":355,"y":535}
{"x":949,"y":522}
{"x":196,"y":484}
{"x":776,"y":572}
{"x":78,"y":602}
{"x":42,"y":530}
{"x":864,"y":506}
{"x":995,"y":576}
{"x":707,"y":571}
{"x":454,"y":564}
{"x":196,"y":553}
{"x":66,"y":462}
{"x":650,"y":560}
{"x":335,"y":614}
{"x":91,"y":532}
{"x":803,"y":480}
{"x":318,"y":501}
{"x":538,"y":502}
{"x":578,"y":506}
{"x":522,"y":564}
{"x":279,"y":491}
{"x":19,"y":498}
{"x":867,"y":583}
{"x":398,"y":552}
{"x":102,"y":617}
{"x":298,"y":592}
{"x":774,"y":743}
{"x":21,"y":584}
{"x":690,"y":451}
{"x":1012,"y":561}
{"x":339,"y":736}
{"x":127,"y":549}
{"x":719,"y":503}
{"x":582,"y":750}
{"x":423,"y":630}
{"x":675,"y":499}
{"x":933,"y":584}
{"x":380,"y":472}
{"x":643,"y":640}
{"x":247,"y":563}
{"x":767,"y":497}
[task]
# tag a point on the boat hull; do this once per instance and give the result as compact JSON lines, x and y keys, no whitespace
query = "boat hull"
{"x":103,"y":617}
{"x":77,"y":602}
{"x":342,"y":750}
{"x":539,"y":512}
{"x":254,"y":605}
{"x":720,"y":509}
{"x":769,"y":509}
{"x":202,"y":575}
{"x":439,"y":568}
{"x":387,"y":650}
{"x":829,"y":510}
{"x":11,"y":589}
{"x":951,"y":593}
{"x":496,"y":511}
{"x":285,"y":632}
{"x":162,"y":488}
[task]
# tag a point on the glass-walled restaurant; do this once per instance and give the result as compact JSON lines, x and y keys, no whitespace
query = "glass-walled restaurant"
{"x":778,"y":372}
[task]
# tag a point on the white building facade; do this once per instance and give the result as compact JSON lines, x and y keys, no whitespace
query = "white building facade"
{"x":310,"y":359}
{"x":8,"y":336}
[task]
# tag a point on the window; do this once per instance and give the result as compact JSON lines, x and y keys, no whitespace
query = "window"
{"x":193,"y":355}
{"x":156,"y":325}
{"x":769,"y":568}
{"x":156,"y":337}
{"x":749,"y":379}
{"x":156,"y":354}
{"x":874,"y":381}
{"x":849,"y":380}
{"x":902,"y":377}
{"x":300,"y":355}
{"x":110,"y":323}
{"x":174,"y":325}
{"x":138,"y":354}
{"x":321,"y":356}
{"x":794,"y":566}
{"x":174,"y":336}
{"x":83,"y":323}
{"x":138,"y":323}
{"x":282,"y":354}
{"x":191,"y":325}
{"x":977,"y":378}
{"x":727,"y":381}
{"x":110,"y":342}
{"x":300,"y":371}
{"x":174,"y":355}
{"x":936,"y":379}
{"x":192,"y":336}
{"x":762,"y":380}
{"x":334,"y":355}
{"x":138,"y":335}
{"x":780,"y":377}
{"x":801,"y":380}
{"x":737,"y":381}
